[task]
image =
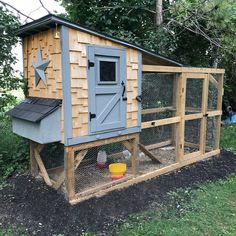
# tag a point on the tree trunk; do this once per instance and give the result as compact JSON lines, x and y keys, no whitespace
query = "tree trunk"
{"x":159,"y":17}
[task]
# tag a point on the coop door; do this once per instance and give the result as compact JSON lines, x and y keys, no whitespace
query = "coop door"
{"x":107,"y":88}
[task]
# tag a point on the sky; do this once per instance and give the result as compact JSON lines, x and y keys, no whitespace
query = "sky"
{"x":33,"y":9}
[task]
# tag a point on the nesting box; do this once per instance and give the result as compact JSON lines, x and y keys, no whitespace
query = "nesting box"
{"x":82,"y":85}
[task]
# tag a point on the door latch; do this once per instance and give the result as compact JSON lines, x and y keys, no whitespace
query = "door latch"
{"x":91,"y":116}
{"x":139,"y":98}
{"x":123,"y":93}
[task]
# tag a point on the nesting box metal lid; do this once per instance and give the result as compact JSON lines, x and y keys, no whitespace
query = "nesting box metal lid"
{"x":34,"y":109}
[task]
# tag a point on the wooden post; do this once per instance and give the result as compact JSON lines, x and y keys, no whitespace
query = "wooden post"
{"x":33,"y":163}
{"x":204,"y":112}
{"x":134,"y":154}
{"x":180,"y":111}
{"x":219,"y":108}
{"x":174,"y":100}
{"x":69,"y":167}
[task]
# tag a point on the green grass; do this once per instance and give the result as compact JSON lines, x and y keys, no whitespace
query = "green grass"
{"x":10,"y":232}
{"x":208,"y":210}
{"x":228,"y":138}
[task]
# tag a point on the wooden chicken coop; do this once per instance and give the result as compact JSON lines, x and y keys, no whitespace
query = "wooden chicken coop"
{"x":90,"y":91}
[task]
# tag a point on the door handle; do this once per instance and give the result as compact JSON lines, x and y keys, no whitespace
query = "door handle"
{"x":123,"y":93}
{"x":139,"y":98}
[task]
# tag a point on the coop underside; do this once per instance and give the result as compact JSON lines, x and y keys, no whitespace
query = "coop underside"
{"x":181,"y":121}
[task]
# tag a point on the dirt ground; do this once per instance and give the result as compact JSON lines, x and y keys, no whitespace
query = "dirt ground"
{"x":43,"y":211}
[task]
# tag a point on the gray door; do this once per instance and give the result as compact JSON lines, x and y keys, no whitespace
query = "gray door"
{"x":107,"y":83}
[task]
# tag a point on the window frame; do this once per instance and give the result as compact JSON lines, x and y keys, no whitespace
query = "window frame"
{"x":98,"y":59}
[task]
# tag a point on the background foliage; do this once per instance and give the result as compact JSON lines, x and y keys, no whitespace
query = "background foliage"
{"x":13,"y":149}
{"x":8,"y":80}
{"x":194,"y":32}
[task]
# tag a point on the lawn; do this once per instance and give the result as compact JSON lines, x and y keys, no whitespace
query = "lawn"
{"x":209,"y":209}
{"x":228,"y":138}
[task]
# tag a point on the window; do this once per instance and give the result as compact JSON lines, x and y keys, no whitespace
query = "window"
{"x":107,"y":71}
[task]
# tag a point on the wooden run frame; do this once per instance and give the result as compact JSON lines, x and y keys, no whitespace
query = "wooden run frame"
{"x":131,"y":142}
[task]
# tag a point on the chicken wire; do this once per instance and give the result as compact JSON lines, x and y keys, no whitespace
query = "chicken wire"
{"x":213,"y":93}
{"x":194,"y":89}
{"x":211,"y":133}
{"x":158,"y":91}
{"x":192,"y":136}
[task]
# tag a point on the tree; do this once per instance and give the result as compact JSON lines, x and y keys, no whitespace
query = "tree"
{"x":8,"y":81}
{"x":193,"y":32}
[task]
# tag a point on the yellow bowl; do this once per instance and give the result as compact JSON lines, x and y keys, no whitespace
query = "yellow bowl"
{"x":117,"y":169}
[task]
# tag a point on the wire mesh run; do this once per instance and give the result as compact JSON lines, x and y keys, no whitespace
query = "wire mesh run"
{"x":213,"y":92}
{"x":194,"y":89}
{"x":192,"y":136}
{"x":158,"y":96}
{"x":211,"y":133}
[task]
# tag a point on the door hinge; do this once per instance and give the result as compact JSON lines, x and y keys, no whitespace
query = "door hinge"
{"x":90,"y":64}
{"x":91,"y":116}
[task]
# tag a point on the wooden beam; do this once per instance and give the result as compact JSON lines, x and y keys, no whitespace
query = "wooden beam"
{"x":193,"y":116}
{"x":192,"y":155}
{"x":69,"y":164}
{"x":214,"y":113}
{"x":157,"y":110}
{"x":80,"y":157}
{"x":155,"y":123}
{"x":154,"y":68}
{"x":174,"y":100}
{"x":196,"y":75}
{"x":135,"y":154}
{"x":180,"y":127}
{"x":88,"y":145}
{"x":128,"y":145}
{"x":148,"y":153}
{"x":213,"y":81}
{"x":158,"y":145}
{"x":33,"y":163}
{"x":42,"y":167}
{"x":203,"y":125}
{"x":219,"y":107}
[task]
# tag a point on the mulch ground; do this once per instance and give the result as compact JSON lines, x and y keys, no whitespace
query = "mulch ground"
{"x":43,"y":211}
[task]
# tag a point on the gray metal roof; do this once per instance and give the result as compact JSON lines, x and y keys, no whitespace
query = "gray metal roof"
{"x":50,"y":20}
{"x":34,"y":109}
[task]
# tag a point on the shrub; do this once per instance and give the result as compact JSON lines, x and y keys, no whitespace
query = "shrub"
{"x":14,"y":150}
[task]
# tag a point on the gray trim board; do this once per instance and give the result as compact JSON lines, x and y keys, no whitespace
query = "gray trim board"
{"x":139,"y":87}
{"x":66,"y":84}
{"x":111,"y":134}
{"x":50,"y":20}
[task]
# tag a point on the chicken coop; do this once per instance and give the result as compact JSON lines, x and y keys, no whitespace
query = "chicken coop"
{"x":90,"y":93}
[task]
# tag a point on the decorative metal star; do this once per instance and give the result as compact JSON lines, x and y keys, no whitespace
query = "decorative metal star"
{"x":39,"y":67}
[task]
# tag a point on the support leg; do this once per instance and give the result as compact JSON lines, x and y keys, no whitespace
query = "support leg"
{"x":69,"y":167}
{"x":33,"y":163}
{"x":134,"y":157}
